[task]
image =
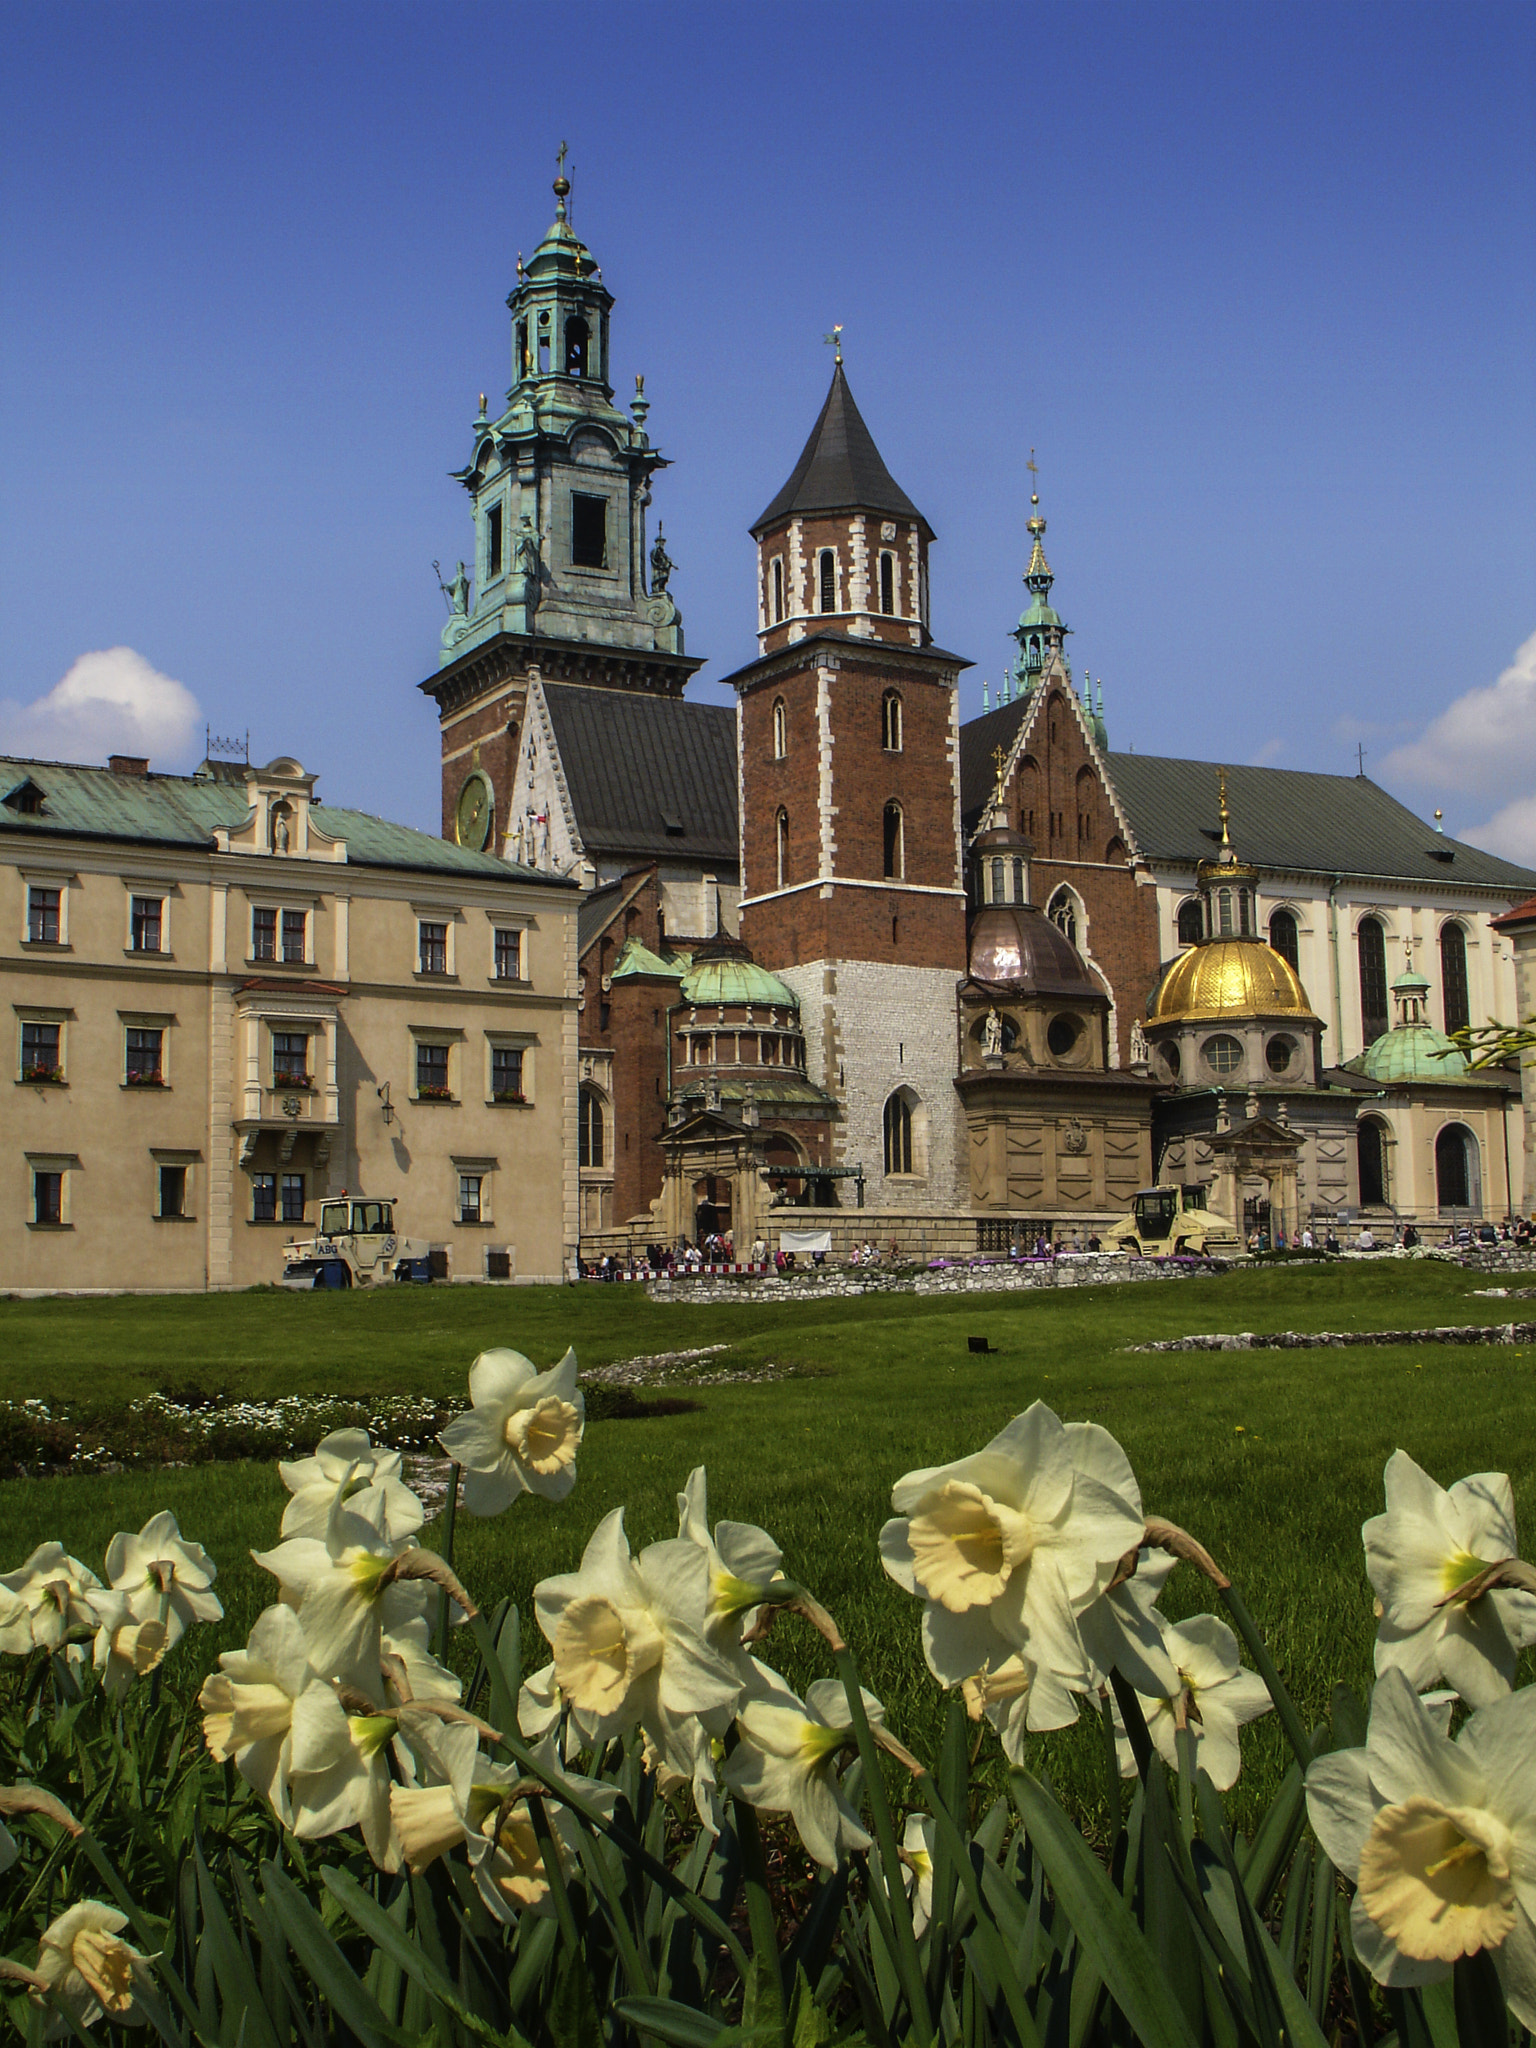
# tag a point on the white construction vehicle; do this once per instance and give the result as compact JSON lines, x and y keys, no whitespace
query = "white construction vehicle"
{"x":1170,"y":1219}
{"x":357,"y":1247}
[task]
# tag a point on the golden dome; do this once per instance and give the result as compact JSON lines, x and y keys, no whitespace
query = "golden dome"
{"x":1230,"y":978}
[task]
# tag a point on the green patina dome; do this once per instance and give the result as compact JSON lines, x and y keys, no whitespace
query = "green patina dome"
{"x":727,"y":978}
{"x":1412,"y":1052}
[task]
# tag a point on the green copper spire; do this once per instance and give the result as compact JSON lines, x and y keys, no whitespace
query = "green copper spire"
{"x":1040,"y":631}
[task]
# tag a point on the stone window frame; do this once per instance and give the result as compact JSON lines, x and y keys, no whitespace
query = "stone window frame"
{"x":518,"y":928}
{"x":450,"y":917}
{"x":891,"y":722}
{"x":44,"y":1014}
{"x":281,"y":902}
{"x":916,"y":1146}
{"x":525,"y":1042}
{"x":451,"y":1039}
{"x":481,"y":1169}
{"x":780,"y":730}
{"x":187,"y":1163}
{"x":147,"y":888}
{"x":66,"y":1165}
{"x":148,"y":1020}
{"x":1458,"y":925}
{"x":65,"y":882}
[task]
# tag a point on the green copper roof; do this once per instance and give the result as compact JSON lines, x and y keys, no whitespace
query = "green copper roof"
{"x":1039,"y":614}
{"x":636,"y":959}
{"x":731,"y":980}
{"x":1411,"y":1053}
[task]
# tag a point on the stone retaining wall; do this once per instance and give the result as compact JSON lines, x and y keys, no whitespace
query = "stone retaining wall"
{"x":1005,"y":1276}
{"x":1318,"y":1340}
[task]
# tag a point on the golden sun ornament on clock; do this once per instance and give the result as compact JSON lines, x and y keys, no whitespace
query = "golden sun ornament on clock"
{"x":476,"y":807}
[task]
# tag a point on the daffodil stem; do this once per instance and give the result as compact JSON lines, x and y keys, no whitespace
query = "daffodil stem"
{"x":1111,"y":1772}
{"x":450,"y":1518}
{"x":1185,"y":1743}
{"x":1285,"y":1706}
{"x":907,"y":1960}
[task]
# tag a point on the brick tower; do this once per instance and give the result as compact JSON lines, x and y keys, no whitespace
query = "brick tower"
{"x":852,"y":888}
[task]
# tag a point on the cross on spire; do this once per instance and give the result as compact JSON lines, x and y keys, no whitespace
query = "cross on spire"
{"x":560,"y":155}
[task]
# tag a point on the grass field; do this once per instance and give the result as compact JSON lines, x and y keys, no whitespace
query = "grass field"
{"x":1272,"y":1458}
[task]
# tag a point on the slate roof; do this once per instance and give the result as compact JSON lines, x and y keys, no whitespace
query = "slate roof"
{"x":186,"y":810}
{"x":634,"y":762}
{"x":1286,"y":818}
{"x":840,"y":468}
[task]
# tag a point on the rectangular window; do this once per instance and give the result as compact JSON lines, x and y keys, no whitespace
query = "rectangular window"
{"x":263,"y":1197}
{"x":469,"y":1197}
{"x":173,"y":1191}
{"x":142,"y":1062}
{"x":145,"y":923}
{"x":43,"y":917}
{"x":294,"y":924}
{"x":40,"y":1059}
{"x":432,"y":947}
{"x":493,"y":542}
{"x":47,"y":1197}
{"x":589,"y":531}
{"x":263,"y":934}
{"x":509,"y":955}
{"x":293,"y":1198}
{"x":432,"y":1072}
{"x":506,"y":1073}
{"x":290,"y":1059}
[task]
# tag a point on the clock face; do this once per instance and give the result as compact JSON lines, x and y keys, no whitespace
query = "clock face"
{"x":472,"y":821}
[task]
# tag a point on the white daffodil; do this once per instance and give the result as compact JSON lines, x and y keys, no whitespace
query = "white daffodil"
{"x":52,"y":1595}
{"x":540,"y":1707}
{"x":347,"y":1592}
{"x":1007,"y":1547}
{"x":1214,"y":1693}
{"x":165,"y":1577}
{"x":265,"y":1697}
{"x":1119,"y":1629}
{"x":125,"y":1647}
{"x":424,"y":1678}
{"x":522,"y":1433}
{"x":786,"y":1760}
{"x":81,"y":1960}
{"x":628,"y":1637}
{"x":431,"y":1817}
{"x":506,"y":1856}
{"x":1018,"y":1698}
{"x":743,"y":1560}
{"x":1439,"y":1838}
{"x":369,"y":1478}
{"x":917,"y":1854}
{"x":1429,"y":1543}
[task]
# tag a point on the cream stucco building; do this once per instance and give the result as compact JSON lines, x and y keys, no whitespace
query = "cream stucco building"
{"x":227,"y":1000}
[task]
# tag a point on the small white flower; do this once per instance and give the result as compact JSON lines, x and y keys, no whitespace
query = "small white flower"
{"x":52,"y":1595}
{"x":84,"y":1964}
{"x":125,"y":1647}
{"x":1213,"y":1691}
{"x":522,"y":1433}
{"x":1427,"y":1544}
{"x":743,"y":1561}
{"x":165,"y":1577}
{"x":266,"y":1699}
{"x":917,"y":1846}
{"x":369,"y":1478}
{"x":347,"y":1595}
{"x":1439,"y":1838}
{"x":786,"y":1760}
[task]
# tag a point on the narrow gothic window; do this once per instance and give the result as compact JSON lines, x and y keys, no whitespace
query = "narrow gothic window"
{"x":589,"y":1129}
{"x":1372,"y":1160}
{"x":1018,"y":878}
{"x":1189,"y":922}
{"x":1063,"y":914}
{"x":890,"y":722}
{"x":778,"y":590}
{"x":1453,"y":978}
{"x":782,"y":837}
{"x":589,"y":531}
{"x":522,"y":350}
{"x":1372,"y":944}
{"x":1283,"y":937}
{"x":895,"y":866}
{"x":780,"y":730}
{"x":998,"y":886}
{"x":577,"y":335}
{"x":544,"y":354}
{"x":493,"y":542}
{"x":828,"y":580}
{"x":898,"y":1135}
{"x":888,"y":585}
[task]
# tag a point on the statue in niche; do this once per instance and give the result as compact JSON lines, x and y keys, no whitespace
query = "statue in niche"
{"x":1141,"y":1052}
{"x":992,"y":1035}
{"x":456,"y":591}
{"x":662,"y":564}
{"x":280,"y":836}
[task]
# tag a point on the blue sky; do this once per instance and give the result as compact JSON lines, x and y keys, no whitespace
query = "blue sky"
{"x":1256,"y":282}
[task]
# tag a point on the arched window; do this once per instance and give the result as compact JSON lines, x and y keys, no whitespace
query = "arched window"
{"x":1284,"y":938}
{"x":780,"y":729}
{"x":1062,"y":911}
{"x":577,"y":336}
{"x":888,"y":585}
{"x":1018,"y":878}
{"x":1087,"y":789}
{"x":1453,"y":977}
{"x":1224,"y":911}
{"x":890,"y":721}
{"x":522,"y":350}
{"x":999,"y":880}
{"x":895,"y":853}
{"x":589,"y":1128}
{"x":1190,"y":932}
{"x":1371,"y":941}
{"x":898,"y":1134}
{"x":1371,"y":1153}
{"x":828,"y":580}
{"x":778,"y":590}
{"x":781,"y":839}
{"x":1458,"y":1176}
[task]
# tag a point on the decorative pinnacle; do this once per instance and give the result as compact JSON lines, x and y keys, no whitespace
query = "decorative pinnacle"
{"x":835,"y":340}
{"x":562,"y":182}
{"x":1226,"y":815}
{"x":1000,"y":757}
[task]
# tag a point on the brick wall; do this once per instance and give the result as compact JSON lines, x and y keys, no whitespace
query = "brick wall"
{"x":857,"y":541}
{"x":629,"y":1020}
{"x":494,"y":724}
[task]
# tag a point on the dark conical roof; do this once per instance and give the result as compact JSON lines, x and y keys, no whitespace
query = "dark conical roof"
{"x":840,"y":468}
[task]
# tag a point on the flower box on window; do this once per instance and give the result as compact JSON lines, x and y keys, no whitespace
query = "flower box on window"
{"x":431,"y":1091}
{"x":146,"y":1080}
{"x":292,"y":1081}
{"x":52,"y":1077}
{"x":509,"y":1095}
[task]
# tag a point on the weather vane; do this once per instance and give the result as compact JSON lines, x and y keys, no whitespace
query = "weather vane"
{"x":835,"y":340}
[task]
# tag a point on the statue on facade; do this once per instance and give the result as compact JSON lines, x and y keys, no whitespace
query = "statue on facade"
{"x":1141,"y":1052}
{"x":455,"y":591}
{"x":280,"y":832}
{"x":662,"y":564}
{"x":992,"y":1035}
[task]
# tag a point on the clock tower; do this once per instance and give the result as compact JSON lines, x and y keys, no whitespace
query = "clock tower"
{"x":558,"y":582}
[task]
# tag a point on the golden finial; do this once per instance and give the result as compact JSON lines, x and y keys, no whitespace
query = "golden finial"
{"x":1226,"y":815}
{"x":519,"y":266}
{"x":482,"y":404}
{"x":835,"y":339}
{"x":562,"y":182}
{"x":999,"y":757}
{"x":1035,"y":524}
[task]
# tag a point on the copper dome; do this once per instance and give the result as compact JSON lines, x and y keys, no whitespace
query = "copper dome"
{"x":1017,"y":944}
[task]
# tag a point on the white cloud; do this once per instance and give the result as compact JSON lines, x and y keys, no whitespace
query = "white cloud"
{"x":1483,"y":745}
{"x":1510,"y":833}
{"x":111,"y":702}
{"x":1271,"y":751}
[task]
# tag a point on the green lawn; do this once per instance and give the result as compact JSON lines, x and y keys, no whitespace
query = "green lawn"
{"x":1272,"y":1458}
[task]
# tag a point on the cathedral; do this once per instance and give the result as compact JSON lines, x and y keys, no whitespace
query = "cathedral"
{"x":846,"y":964}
